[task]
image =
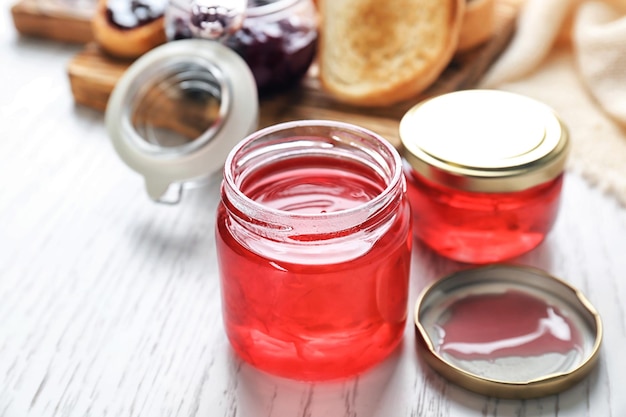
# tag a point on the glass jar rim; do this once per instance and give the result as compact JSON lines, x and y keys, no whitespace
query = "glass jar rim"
{"x":254,"y":11}
{"x":269,"y":8}
{"x":391,"y":158}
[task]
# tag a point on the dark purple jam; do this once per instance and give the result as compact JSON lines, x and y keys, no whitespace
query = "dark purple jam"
{"x":126,"y":14}
{"x":279,"y":53}
{"x":181,"y":30}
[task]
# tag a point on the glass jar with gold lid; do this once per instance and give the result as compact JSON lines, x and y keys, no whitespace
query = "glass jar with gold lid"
{"x":484,"y":171}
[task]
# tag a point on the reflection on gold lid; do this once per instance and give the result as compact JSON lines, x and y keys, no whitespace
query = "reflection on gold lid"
{"x":508,"y":331}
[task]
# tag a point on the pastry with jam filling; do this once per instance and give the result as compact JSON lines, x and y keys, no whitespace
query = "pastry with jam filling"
{"x":129,"y":28}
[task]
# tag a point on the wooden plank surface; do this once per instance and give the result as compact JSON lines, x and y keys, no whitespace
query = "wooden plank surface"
{"x":93,"y":76}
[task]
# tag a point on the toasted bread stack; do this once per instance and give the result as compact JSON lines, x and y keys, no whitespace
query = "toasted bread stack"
{"x":377,"y":53}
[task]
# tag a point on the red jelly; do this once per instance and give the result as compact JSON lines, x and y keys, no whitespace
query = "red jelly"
{"x":484,"y":172}
{"x":314,"y":241}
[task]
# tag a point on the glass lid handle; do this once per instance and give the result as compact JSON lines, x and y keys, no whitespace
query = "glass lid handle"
{"x":216,"y":19}
{"x":162,"y":191}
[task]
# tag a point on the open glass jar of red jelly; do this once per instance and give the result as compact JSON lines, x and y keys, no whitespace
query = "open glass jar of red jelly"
{"x":276,"y":38}
{"x":484,"y":170}
{"x":313,"y":240}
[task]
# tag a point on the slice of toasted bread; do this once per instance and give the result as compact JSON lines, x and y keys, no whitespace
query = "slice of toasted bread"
{"x":478,"y":25}
{"x":375,"y":53}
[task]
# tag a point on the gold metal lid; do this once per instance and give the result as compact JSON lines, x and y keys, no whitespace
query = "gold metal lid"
{"x":508,"y":331}
{"x":484,"y":140}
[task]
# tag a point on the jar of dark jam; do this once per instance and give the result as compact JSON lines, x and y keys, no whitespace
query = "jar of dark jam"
{"x":313,"y":238}
{"x":484,"y":171}
{"x":276,"y":38}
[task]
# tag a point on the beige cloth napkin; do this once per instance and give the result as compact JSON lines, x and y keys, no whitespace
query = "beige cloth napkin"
{"x":571,"y":54}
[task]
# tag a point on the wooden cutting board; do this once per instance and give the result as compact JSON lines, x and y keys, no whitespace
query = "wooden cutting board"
{"x":93,"y":76}
{"x":61,"y":20}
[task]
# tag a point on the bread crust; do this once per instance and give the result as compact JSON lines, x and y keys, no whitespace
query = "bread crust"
{"x":393,"y":55}
{"x":478,"y":24}
{"x":126,"y":43}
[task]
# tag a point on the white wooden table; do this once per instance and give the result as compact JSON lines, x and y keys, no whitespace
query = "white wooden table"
{"x":110,"y":305}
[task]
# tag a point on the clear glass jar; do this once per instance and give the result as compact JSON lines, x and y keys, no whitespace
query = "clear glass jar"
{"x":277,"y":38}
{"x":314,"y":247}
{"x":178,"y":110}
{"x":484,"y":171}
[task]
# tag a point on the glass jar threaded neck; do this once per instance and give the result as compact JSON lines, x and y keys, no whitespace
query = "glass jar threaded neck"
{"x":290,"y":147}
